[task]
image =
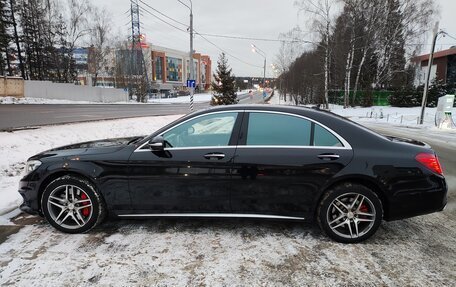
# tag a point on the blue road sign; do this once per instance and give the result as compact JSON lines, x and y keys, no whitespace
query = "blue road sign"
{"x":191,"y":84}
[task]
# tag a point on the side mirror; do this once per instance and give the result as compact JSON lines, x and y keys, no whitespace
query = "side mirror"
{"x":157,"y":143}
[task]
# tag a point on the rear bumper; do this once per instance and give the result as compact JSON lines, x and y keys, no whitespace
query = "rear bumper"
{"x":414,"y":203}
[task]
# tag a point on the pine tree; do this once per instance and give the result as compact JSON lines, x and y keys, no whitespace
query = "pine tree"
{"x":223,"y":86}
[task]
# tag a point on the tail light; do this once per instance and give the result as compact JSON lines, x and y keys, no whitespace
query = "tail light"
{"x":430,"y":161}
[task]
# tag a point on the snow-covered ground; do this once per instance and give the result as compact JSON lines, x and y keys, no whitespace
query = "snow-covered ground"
{"x":197,"y":98}
{"x":17,"y":147}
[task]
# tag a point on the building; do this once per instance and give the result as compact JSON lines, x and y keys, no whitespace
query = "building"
{"x":167,"y":69}
{"x":443,"y":67}
{"x":171,"y":69}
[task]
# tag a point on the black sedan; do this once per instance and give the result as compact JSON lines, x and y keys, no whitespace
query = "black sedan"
{"x":271,"y":162}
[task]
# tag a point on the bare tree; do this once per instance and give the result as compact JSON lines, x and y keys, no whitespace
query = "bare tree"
{"x":100,"y":34}
{"x":323,"y":17}
{"x":77,"y":24}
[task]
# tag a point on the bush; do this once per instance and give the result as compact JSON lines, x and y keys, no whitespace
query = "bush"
{"x":404,"y":98}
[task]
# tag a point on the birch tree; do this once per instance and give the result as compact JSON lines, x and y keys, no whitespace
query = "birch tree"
{"x":322,"y":12}
{"x":100,"y":34}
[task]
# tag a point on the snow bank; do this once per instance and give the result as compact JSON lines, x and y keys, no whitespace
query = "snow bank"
{"x":17,"y":147}
{"x":197,"y":98}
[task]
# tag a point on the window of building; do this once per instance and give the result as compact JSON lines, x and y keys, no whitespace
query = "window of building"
{"x":158,"y":68}
{"x":173,"y":69}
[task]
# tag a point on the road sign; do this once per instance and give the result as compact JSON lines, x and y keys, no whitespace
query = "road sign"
{"x":191,"y":84}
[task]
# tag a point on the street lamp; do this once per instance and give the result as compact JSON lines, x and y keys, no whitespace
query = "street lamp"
{"x":428,"y":75}
{"x":257,"y":50}
{"x":192,"y":89}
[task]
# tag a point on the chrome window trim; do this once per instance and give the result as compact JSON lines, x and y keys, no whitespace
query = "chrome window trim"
{"x":235,"y":215}
{"x":345,"y":143}
{"x":192,"y":148}
{"x":138,"y":149}
{"x":293,"y":146}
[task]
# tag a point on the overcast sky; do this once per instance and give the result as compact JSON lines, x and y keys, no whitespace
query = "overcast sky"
{"x":250,"y":18}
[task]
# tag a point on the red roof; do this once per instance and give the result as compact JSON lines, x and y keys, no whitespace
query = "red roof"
{"x":439,"y":54}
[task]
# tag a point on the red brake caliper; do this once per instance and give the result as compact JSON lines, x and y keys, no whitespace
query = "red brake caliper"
{"x":364,"y":208}
{"x":85,"y":211}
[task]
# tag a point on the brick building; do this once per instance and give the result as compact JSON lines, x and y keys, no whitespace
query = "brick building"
{"x":443,"y":67}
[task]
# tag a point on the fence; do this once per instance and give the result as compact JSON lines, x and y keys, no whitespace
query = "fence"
{"x":63,"y":91}
{"x":379,"y":98}
{"x":11,"y":87}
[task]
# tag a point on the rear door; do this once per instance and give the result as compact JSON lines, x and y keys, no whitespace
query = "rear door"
{"x":282,"y":162}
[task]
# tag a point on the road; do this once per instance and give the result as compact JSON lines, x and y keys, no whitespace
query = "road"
{"x":20,"y":116}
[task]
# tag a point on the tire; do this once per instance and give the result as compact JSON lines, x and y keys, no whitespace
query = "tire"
{"x":72,"y":205}
{"x":350,"y":213}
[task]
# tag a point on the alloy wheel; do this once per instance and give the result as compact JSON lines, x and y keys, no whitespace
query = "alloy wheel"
{"x":70,"y":206}
{"x":351,"y":215}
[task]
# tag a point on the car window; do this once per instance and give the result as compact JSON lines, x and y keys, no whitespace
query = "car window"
{"x":278,"y":129}
{"x":322,"y":137}
{"x":209,"y":130}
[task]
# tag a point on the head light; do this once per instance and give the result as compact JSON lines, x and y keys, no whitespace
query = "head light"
{"x":32,"y":165}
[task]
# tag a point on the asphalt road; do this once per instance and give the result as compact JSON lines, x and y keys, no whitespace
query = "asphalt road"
{"x":19,"y":116}
{"x":24,"y":115}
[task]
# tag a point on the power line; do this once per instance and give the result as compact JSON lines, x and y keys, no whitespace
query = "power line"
{"x":202,"y":36}
{"x":163,"y":14}
{"x":164,"y":21}
{"x":248,"y":38}
{"x":445,"y":33}
{"x":229,"y":54}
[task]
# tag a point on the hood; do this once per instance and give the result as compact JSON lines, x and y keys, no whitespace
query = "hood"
{"x":99,"y":143}
{"x":90,"y":147}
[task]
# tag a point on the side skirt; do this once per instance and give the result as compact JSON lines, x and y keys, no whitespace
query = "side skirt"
{"x":226,"y":215}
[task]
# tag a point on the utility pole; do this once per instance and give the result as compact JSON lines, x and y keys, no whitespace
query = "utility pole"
{"x":192,"y":75}
{"x":136,"y":48}
{"x":428,"y":76}
{"x":260,"y":52}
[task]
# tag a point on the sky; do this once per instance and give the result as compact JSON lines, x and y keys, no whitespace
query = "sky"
{"x":247,"y":18}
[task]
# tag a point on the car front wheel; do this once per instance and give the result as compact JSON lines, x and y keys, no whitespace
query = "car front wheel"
{"x":72,"y":205}
{"x":350,"y":213}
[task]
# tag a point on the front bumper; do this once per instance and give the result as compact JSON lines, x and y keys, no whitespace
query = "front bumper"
{"x":29,"y":192}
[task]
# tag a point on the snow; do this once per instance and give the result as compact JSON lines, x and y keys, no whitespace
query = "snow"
{"x":17,"y":147}
{"x":224,"y":252}
{"x":197,"y":98}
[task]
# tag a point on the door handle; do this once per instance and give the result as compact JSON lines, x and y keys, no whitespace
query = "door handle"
{"x":328,"y":156}
{"x":214,"y":155}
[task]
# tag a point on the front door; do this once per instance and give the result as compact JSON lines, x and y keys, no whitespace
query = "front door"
{"x":192,"y":174}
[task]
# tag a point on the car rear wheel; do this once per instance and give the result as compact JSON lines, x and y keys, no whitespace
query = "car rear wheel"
{"x":72,"y":205}
{"x":350,"y":213}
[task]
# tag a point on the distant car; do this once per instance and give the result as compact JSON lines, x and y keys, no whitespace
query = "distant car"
{"x":169,"y":93}
{"x":247,"y":161}
{"x":183,"y":93}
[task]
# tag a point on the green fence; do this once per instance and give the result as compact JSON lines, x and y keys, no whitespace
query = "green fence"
{"x":379,"y":98}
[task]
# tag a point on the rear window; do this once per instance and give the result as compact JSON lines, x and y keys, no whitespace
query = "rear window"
{"x":322,"y":137}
